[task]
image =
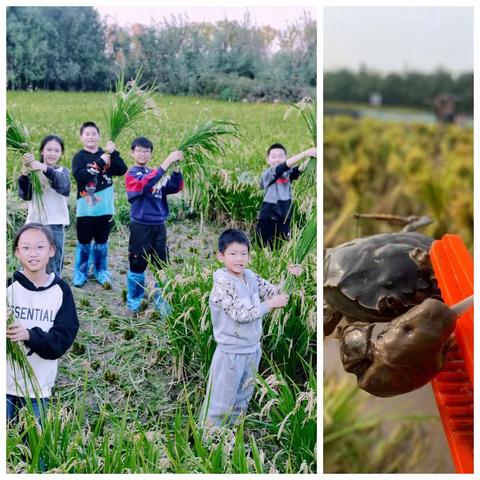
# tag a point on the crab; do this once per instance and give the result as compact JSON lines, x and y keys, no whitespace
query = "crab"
{"x":387,"y":278}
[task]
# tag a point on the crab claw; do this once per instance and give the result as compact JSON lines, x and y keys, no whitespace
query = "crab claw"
{"x":355,"y":347}
{"x":406,"y":355}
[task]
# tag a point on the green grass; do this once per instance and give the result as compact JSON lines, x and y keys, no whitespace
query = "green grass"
{"x":357,"y":441}
{"x":260,"y":124}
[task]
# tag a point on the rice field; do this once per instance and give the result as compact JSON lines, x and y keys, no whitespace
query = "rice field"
{"x":394,"y":168}
{"x":403,"y":169}
{"x":129,"y":391}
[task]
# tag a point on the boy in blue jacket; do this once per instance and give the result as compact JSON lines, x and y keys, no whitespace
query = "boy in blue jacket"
{"x":147,"y":191}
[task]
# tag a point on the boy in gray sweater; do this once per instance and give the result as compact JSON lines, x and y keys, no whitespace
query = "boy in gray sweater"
{"x":276,"y":212}
{"x":238,"y":301}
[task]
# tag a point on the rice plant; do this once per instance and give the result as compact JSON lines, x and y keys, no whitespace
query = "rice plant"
{"x":21,"y":368}
{"x":289,"y":413}
{"x":358,"y":442}
{"x":374,"y":167}
{"x":300,"y":246}
{"x":200,"y":147}
{"x":18,"y":141}
{"x":189,"y":328}
{"x":306,"y":184}
{"x":130,"y":102}
{"x":307,"y":108}
{"x":296,"y":317}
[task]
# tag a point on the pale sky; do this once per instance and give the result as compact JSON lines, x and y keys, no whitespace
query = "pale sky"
{"x":276,"y":17}
{"x":399,"y":38}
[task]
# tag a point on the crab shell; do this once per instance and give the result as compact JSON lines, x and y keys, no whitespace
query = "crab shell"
{"x":377,"y":278}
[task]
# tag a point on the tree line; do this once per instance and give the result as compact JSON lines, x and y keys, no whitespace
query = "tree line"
{"x":400,"y":89}
{"x":73,"y":49}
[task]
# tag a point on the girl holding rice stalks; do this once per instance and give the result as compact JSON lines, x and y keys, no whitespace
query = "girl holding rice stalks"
{"x":45,"y":322}
{"x":52,"y":207}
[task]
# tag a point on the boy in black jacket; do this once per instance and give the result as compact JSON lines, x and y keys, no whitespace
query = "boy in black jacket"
{"x":93,"y":169}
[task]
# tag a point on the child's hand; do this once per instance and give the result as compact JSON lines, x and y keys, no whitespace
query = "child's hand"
{"x":110,"y":147}
{"x":175,"y":156}
{"x":278,"y":301}
{"x":28,"y":158}
{"x":39,"y":166}
{"x":106,"y":158}
{"x":17,"y":333}
{"x":311,"y":152}
{"x":295,"y":269}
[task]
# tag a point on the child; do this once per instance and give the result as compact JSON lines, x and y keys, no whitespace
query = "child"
{"x":45,"y":318}
{"x":238,"y":301}
{"x":147,"y":191}
{"x":53,"y":210}
{"x":276,"y":212}
{"x":93,"y":170}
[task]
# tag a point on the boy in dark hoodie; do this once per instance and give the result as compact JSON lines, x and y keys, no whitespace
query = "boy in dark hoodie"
{"x":94,"y":169}
{"x":238,"y":301}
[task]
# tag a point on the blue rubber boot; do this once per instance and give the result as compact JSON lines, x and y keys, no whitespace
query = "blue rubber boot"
{"x":80,"y":275}
{"x":100,"y":264}
{"x":161,"y":305}
{"x":135,"y":290}
{"x":90,"y":260}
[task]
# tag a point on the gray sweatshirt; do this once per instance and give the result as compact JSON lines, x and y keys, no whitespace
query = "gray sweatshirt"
{"x":237,"y":307}
{"x":276,"y":181}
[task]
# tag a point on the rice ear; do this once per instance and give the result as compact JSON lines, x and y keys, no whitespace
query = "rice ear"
{"x":18,"y":140}
{"x":131,"y":101}
{"x":200,"y":146}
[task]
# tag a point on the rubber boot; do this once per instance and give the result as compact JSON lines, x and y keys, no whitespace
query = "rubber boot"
{"x":161,"y":305}
{"x":80,"y":275}
{"x":100,"y":264}
{"x":90,"y":260}
{"x":135,"y":290}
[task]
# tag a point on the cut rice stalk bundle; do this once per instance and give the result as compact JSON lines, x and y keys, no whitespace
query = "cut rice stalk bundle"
{"x":131,"y":101}
{"x":19,"y":141}
{"x":302,"y":246}
{"x":20,"y":365}
{"x":307,"y":108}
{"x":296,"y":250}
{"x":200,"y":146}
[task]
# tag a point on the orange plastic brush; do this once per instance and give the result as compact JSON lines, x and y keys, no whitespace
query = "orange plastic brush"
{"x":453,"y":387}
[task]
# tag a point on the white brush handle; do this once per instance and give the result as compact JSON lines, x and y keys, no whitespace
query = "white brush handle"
{"x":463,"y":305}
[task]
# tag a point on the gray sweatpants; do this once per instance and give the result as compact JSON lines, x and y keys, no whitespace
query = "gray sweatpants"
{"x":231,"y":382}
